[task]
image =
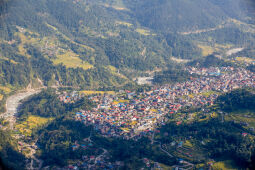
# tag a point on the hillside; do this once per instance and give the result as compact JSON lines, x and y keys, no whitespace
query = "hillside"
{"x":105,"y":44}
{"x":177,"y":15}
{"x":80,"y":44}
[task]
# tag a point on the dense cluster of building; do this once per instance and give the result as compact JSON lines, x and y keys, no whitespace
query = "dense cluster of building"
{"x":131,"y":115}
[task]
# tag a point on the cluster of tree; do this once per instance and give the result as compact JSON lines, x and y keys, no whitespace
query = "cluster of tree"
{"x":10,"y":158}
{"x":13,"y":74}
{"x":47,"y":104}
{"x":209,"y":61}
{"x":238,"y":99}
{"x":57,"y":138}
{"x":251,"y":68}
{"x":182,"y":46}
{"x":172,"y":75}
{"x":220,"y":140}
{"x":227,"y":35}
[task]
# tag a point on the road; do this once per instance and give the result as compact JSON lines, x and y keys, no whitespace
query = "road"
{"x":163,"y":149}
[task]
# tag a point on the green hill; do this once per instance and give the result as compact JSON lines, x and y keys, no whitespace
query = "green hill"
{"x":177,"y":15}
{"x":105,"y":44}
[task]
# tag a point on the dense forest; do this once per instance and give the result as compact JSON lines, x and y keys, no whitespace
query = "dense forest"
{"x":47,"y":104}
{"x":210,"y":61}
{"x":172,"y":75}
{"x":239,"y":99}
{"x":9,"y":157}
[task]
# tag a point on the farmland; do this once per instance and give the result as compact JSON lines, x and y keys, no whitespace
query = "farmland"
{"x":31,"y":123}
{"x":88,"y":92}
{"x":71,"y":60}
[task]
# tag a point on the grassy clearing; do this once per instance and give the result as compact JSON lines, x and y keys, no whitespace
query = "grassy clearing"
{"x":7,"y":59}
{"x":123,"y":23}
{"x":26,"y":39}
{"x":71,"y":60}
{"x":206,"y":50}
{"x":179,"y":60}
{"x":188,"y":144}
{"x":165,"y":167}
{"x":242,"y":118}
{"x":120,"y":101}
{"x":112,"y":34}
{"x":154,"y":110}
{"x":91,"y":32}
{"x":224,"y":165}
{"x":68,"y":39}
{"x":245,"y":60}
{"x":32,"y":122}
{"x":208,"y":93}
{"x":5,"y":89}
{"x":118,"y":5}
{"x":143,"y":31}
{"x":113,"y":70}
{"x":223,"y":46}
{"x":97,"y":92}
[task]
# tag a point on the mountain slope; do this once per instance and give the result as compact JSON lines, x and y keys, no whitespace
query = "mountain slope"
{"x":92,"y":34}
{"x":177,"y":15}
{"x":98,"y":44}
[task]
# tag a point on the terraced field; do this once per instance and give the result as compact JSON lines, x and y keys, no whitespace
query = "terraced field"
{"x":32,"y":122}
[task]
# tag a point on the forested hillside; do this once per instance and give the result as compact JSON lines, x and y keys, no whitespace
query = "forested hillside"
{"x":177,"y":15}
{"x":239,"y":99}
{"x":105,"y":44}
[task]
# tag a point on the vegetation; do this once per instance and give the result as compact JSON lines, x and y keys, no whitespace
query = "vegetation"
{"x":210,"y":61}
{"x":9,"y":156}
{"x":239,"y":99}
{"x":61,"y":134}
{"x":217,"y":139}
{"x":101,"y":46}
{"x":57,"y":138}
{"x":46,"y":104}
{"x":31,"y":123}
{"x":172,"y":75}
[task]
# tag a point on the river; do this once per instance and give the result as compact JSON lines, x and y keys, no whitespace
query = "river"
{"x":233,"y":51}
{"x":13,"y":103}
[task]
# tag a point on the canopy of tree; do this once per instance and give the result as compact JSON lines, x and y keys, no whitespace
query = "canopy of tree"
{"x":209,"y":61}
{"x":238,"y":99}
{"x":9,"y":157}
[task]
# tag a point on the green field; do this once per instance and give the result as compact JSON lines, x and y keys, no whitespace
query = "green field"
{"x":71,"y":60}
{"x":31,"y":123}
{"x":224,"y":165}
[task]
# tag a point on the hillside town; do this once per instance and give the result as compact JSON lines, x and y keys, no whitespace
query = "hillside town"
{"x":132,"y":115}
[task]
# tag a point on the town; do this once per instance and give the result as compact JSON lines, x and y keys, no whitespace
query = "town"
{"x":131,"y":115}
